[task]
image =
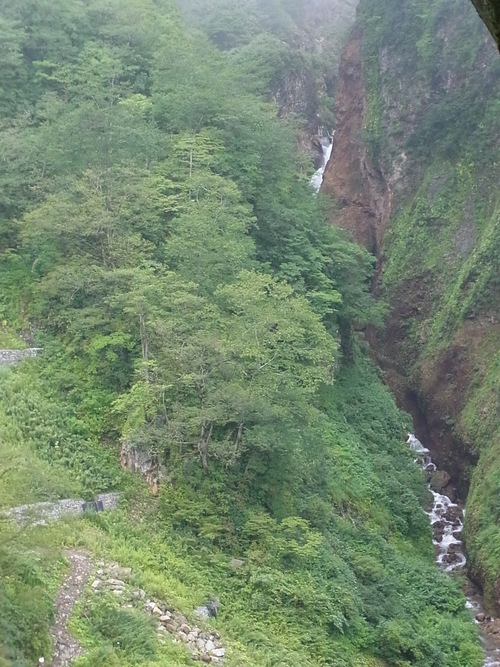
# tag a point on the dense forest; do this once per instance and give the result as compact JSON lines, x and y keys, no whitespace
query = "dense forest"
{"x":160,"y":240}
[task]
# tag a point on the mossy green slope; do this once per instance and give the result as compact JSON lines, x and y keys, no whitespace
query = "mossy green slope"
{"x":346,"y":579}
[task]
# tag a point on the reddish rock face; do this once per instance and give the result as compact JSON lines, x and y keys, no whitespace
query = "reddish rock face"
{"x":350,"y":177}
{"x":433,"y":389}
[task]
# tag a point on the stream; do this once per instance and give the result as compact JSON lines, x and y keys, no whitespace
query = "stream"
{"x":446,"y":519}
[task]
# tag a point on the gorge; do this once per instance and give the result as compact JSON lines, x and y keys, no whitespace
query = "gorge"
{"x":221,"y":340}
{"x":424,"y":201}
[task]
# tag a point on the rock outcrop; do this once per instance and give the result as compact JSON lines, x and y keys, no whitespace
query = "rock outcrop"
{"x":203,"y":644}
{"x":143,"y":463}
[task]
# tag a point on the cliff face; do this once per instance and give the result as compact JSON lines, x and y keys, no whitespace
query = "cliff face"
{"x":415,"y":174}
{"x":351,"y":177}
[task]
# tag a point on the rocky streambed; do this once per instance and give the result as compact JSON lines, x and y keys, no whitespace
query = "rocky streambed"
{"x":446,"y":519}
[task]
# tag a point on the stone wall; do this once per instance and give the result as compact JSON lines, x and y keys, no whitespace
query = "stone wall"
{"x":12,"y":357}
{"x":38,"y":514}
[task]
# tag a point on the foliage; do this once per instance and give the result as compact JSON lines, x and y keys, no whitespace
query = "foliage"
{"x":162,"y":242}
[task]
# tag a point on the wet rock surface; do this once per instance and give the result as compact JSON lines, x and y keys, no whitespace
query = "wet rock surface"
{"x":446,"y":519}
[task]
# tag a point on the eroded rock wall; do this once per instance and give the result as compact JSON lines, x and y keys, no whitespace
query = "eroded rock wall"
{"x":351,"y":177}
{"x":141,"y":462}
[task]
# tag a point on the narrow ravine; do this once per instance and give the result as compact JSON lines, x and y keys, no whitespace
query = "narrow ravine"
{"x":446,"y":519}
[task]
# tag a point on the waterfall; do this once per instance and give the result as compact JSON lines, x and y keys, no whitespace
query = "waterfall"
{"x":445,"y":517}
{"x":327,"y":147}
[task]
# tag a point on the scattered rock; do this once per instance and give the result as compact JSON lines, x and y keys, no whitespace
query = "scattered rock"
{"x":116,"y":582}
{"x":202,"y":645}
{"x":202,"y":612}
{"x":218,"y":652}
{"x":236,"y":563}
{"x":123,"y":571}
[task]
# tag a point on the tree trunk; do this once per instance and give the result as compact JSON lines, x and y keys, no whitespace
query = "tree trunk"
{"x":205,"y":437}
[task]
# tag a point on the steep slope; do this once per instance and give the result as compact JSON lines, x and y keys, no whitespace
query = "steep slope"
{"x":293,"y":47}
{"x":160,"y":240}
{"x":427,"y":99}
{"x":354,"y":180}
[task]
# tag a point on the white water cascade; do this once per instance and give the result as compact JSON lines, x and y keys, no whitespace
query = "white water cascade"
{"x":445,"y":517}
{"x":327,"y":147}
{"x":446,"y":520}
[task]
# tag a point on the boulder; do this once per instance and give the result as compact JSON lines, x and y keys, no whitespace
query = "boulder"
{"x":208,"y":610}
{"x":439,"y":480}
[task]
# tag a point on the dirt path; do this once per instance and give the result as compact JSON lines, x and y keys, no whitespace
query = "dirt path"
{"x":66,"y":647}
